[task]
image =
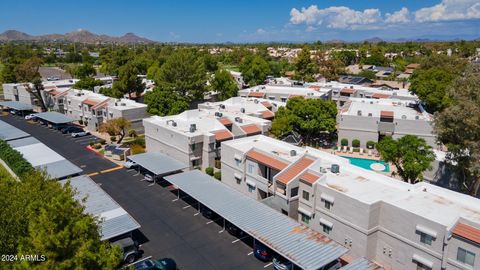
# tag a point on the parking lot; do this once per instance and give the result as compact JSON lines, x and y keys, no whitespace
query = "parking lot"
{"x":170,"y":227}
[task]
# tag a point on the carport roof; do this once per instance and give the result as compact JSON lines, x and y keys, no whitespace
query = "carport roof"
{"x":9,"y":132}
{"x":42,"y":157}
{"x":17,"y":105}
{"x":54,"y":117}
{"x":157,"y":163}
{"x":116,"y":221}
{"x":296,"y":242}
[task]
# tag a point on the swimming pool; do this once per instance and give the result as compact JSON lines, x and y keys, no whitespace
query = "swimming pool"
{"x":367,"y":163}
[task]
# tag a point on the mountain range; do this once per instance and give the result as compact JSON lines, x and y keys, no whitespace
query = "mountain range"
{"x":81,"y":36}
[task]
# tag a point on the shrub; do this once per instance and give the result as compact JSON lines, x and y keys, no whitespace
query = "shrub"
{"x":80,"y":122}
{"x":132,"y":133}
{"x":370,"y":144}
{"x":136,"y":149}
{"x":209,"y":171}
{"x":14,"y":159}
{"x":91,"y":143}
{"x":113,"y":139}
{"x":97,"y":146}
{"x":344,"y":142}
{"x":218,"y":175}
{"x":102,"y":141}
{"x":356,"y":143}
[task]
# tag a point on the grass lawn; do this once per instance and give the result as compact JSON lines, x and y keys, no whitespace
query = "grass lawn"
{"x":230,"y":67}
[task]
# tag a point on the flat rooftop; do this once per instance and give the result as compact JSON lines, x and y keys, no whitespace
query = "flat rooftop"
{"x":400,"y":108}
{"x":125,"y":104}
{"x":236,"y":104}
{"x":285,"y":90}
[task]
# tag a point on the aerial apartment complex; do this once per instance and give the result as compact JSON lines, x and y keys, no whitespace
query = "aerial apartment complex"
{"x":393,"y":223}
{"x":366,"y":120}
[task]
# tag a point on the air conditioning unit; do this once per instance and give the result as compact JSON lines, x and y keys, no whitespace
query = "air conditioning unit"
{"x":218,"y":114}
{"x":255,"y":101}
{"x":238,"y":120}
{"x":193,"y":128}
{"x":222,"y":106}
{"x":293,"y":153}
{"x":335,"y":168}
{"x":242,"y":110}
{"x":174,"y":123}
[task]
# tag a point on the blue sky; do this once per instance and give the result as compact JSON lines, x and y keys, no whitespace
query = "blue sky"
{"x":248,"y":20}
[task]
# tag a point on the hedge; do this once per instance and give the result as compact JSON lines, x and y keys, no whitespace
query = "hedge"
{"x":344,"y":142}
{"x":370,"y":144}
{"x":356,"y":143}
{"x":14,"y":159}
{"x":209,"y":171}
{"x":218,"y":175}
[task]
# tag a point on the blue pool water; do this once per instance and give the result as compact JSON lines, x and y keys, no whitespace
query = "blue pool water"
{"x":365,"y":163}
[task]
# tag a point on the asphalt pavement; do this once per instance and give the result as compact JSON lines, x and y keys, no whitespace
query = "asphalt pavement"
{"x":169,"y":227}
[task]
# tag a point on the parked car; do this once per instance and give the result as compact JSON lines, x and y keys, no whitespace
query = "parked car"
{"x":207,"y":212}
{"x":31,"y":116}
{"x":70,"y":129}
{"x":161,"y":264}
{"x":79,"y":134}
{"x":234,"y":230}
{"x":280,"y":263}
{"x":262,"y":252}
{"x":130,"y":164}
{"x":129,"y":249}
{"x":13,"y":112}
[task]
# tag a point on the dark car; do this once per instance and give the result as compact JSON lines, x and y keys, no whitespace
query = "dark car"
{"x":71,"y":129}
{"x":234,"y":230}
{"x":161,"y":264}
{"x":208,"y":213}
{"x":262,"y":252}
{"x":129,"y":249}
{"x":280,"y":263}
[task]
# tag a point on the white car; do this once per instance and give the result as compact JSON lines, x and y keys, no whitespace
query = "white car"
{"x":80,"y":134}
{"x":30,"y":116}
{"x":129,"y":164}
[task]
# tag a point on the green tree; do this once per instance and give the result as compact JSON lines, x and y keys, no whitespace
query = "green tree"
{"x":431,"y":81}
{"x":458,"y":128}
{"x":367,"y":74}
{"x":305,"y":67}
{"x":309,"y":117}
{"x":84,"y":70}
{"x":164,"y":102}
{"x":27,"y":73}
{"x":331,"y":68}
{"x":224,"y":84}
{"x":128,"y":81}
{"x":410,"y":155}
{"x":87,"y":83}
{"x":39,"y":216}
{"x":7,"y":74}
{"x":254,"y":70}
{"x":346,"y":57}
{"x":184,"y":74}
{"x":116,"y":127}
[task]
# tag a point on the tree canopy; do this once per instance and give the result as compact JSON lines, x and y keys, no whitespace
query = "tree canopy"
{"x":254,"y":70}
{"x":163,"y":102}
{"x":116,"y":127}
{"x":305,"y":66}
{"x":410,"y":154}
{"x":458,"y":127}
{"x":309,"y":117}
{"x":128,"y":81}
{"x":224,"y":84}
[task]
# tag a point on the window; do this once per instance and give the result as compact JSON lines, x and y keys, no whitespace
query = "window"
{"x":326,"y":229}
{"x":305,"y":219}
{"x":327,"y":204}
{"x":465,"y":256}
{"x":251,"y":189}
{"x":284,"y":99}
{"x":239,"y":180}
{"x":305,"y":195}
{"x":294,"y":192}
{"x":426,"y":239}
{"x":193,"y":146}
{"x":250,"y":168}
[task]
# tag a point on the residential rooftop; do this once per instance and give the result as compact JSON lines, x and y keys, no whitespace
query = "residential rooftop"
{"x":402,"y":109}
{"x":263,"y":91}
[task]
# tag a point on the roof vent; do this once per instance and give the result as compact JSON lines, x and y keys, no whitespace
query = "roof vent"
{"x":255,"y":101}
{"x":293,"y":153}
{"x":222,"y":106}
{"x":238,"y":119}
{"x":335,"y":168}
{"x":359,"y":113}
{"x":242,"y":110}
{"x":193,"y":128}
{"x":174,"y":123}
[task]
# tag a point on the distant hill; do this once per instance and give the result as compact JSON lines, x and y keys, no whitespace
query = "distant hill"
{"x":374,"y":40}
{"x":81,"y":36}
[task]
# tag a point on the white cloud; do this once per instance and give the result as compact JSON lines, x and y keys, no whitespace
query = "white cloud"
{"x":449,"y":10}
{"x":335,"y":17}
{"x":261,"y":31}
{"x":310,"y":28}
{"x":401,"y":16}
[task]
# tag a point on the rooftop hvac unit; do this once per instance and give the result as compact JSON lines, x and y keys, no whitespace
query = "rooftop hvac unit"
{"x":335,"y":168}
{"x":293,"y":153}
{"x":222,"y":106}
{"x":193,"y":128}
{"x":218,"y":114}
{"x":255,"y":101}
{"x":123,"y":104}
{"x":242,"y":110}
{"x":174,"y":123}
{"x":238,"y":119}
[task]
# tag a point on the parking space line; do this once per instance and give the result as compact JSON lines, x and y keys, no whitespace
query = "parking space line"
{"x":196,"y":214}
{"x":239,"y":239}
{"x":267,"y":265}
{"x":93,"y":174}
{"x":185,"y":207}
{"x":250,"y":253}
{"x":112,"y":169}
{"x":221,"y":231}
{"x":208,"y":222}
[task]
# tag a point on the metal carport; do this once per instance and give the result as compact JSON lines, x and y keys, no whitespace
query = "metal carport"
{"x":301,"y":245}
{"x":54,"y":118}
{"x":115,"y":220}
{"x":158,"y":164}
{"x":18,"y":106}
{"x":361,"y":264}
{"x":9,"y":132}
